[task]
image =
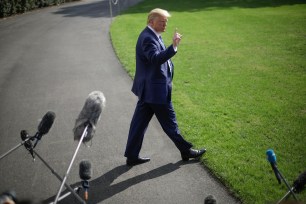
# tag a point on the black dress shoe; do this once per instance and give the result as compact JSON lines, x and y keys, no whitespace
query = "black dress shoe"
{"x":192,"y":153}
{"x":139,"y":160}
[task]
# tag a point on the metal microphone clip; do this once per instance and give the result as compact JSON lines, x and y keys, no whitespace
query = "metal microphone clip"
{"x":37,"y":136}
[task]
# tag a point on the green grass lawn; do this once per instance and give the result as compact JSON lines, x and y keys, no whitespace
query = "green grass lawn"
{"x":239,"y":85}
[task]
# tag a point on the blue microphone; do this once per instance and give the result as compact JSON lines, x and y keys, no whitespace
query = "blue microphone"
{"x":271,"y":157}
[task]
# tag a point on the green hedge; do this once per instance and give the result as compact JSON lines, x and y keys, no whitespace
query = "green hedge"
{"x":11,"y":7}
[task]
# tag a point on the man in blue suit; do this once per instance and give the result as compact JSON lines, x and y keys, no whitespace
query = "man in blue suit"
{"x":153,"y":86}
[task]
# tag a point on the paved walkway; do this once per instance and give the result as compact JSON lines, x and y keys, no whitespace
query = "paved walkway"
{"x":51,"y":59}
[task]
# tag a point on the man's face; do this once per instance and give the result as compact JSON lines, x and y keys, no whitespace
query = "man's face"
{"x":159,"y":24}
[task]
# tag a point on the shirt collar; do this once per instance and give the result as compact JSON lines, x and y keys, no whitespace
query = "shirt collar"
{"x":157,"y":34}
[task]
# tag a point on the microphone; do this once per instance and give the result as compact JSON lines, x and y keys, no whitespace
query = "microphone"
{"x":44,"y":126}
{"x":8,"y":197}
{"x":85,"y":173}
{"x":89,"y":116}
{"x":27,"y":142}
{"x":272,"y":159}
{"x":210,"y":199}
{"x":85,"y":170}
{"x":299,"y":183}
{"x":85,"y":126}
{"x":26,"y":139}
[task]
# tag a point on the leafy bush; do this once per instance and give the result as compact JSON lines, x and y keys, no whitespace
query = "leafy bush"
{"x":12,"y":7}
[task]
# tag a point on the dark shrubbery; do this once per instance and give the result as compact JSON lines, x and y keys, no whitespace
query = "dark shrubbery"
{"x":11,"y":7}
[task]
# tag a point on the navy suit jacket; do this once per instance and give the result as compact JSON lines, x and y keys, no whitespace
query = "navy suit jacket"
{"x":153,"y":79}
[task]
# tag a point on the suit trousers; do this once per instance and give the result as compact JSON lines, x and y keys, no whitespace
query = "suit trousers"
{"x":140,"y":121}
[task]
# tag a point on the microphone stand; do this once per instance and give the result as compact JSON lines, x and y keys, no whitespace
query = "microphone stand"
{"x":289,"y":188}
{"x":28,"y":145}
{"x":59,"y":178}
{"x":67,"y":194}
{"x":16,"y":147}
{"x":26,"y":141}
{"x":286,"y":195}
{"x":72,"y":160}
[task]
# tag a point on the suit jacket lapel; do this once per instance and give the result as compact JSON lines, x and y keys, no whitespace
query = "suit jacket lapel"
{"x":163,"y":47}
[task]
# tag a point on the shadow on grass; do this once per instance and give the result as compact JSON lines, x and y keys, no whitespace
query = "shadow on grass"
{"x":97,"y":9}
{"x":102,"y":188}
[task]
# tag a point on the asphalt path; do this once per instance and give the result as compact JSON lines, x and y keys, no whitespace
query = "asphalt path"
{"x":50,"y":60}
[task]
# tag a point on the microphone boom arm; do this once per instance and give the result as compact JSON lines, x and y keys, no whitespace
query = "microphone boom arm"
{"x":16,"y":147}
{"x":290,"y":190}
{"x":69,"y":168}
{"x":59,"y":178}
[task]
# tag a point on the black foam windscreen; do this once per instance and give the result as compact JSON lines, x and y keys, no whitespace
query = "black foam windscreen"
{"x":85,"y":170}
{"x":299,"y":183}
{"x":46,"y":123}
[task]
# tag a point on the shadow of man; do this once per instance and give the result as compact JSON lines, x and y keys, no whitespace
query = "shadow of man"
{"x":101,"y":188}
